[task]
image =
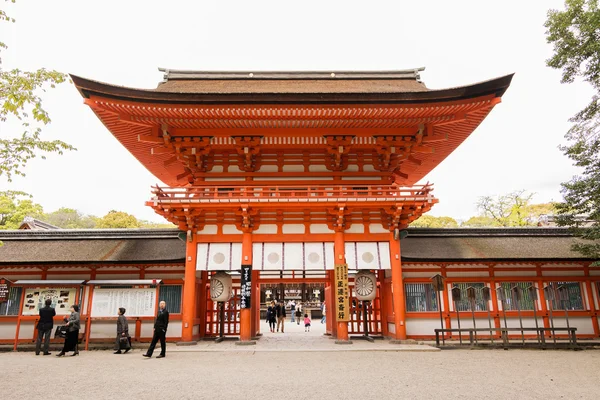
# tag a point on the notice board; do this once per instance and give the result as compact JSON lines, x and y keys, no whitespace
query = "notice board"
{"x":137,"y":302}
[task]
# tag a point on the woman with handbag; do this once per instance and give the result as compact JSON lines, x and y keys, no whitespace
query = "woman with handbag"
{"x":123,"y":340}
{"x":73,"y":325}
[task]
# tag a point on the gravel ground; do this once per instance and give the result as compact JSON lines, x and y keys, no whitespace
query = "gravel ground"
{"x":453,"y":374}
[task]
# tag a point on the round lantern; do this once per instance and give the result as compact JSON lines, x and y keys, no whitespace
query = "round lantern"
{"x":365,"y":285}
{"x":220,"y":286}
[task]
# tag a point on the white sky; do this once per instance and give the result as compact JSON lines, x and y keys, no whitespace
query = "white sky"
{"x":459,"y":42}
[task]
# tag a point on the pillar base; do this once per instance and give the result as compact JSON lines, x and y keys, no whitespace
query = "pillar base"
{"x":225,"y":338}
{"x":245,"y":343}
{"x":193,"y":343}
{"x":343,"y":342}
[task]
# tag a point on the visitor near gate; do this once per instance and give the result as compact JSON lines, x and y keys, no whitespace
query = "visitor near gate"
{"x":292,"y":309}
{"x":280,"y":309}
{"x":160,"y":331}
{"x":73,"y":325}
{"x":323,"y":311}
{"x":306,"y":323}
{"x":298,"y":314}
{"x":123,"y":341}
{"x":44,"y":327}
{"x":272,"y":316}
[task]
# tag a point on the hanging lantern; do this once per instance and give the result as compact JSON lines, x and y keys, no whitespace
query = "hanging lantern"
{"x":220,"y":286}
{"x":365,"y":285}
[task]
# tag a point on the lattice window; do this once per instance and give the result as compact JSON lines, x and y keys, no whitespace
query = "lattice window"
{"x":464,"y":304}
{"x":420,"y":297}
{"x":11,"y":307}
{"x":573,"y":299}
{"x":171,"y":294}
{"x":526,"y":303}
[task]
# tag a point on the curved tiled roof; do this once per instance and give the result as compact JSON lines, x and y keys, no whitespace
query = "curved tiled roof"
{"x":164,"y":245}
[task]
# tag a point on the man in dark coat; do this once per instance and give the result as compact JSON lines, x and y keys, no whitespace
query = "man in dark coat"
{"x":45,"y":325}
{"x":160,"y":331}
{"x":280,"y":310}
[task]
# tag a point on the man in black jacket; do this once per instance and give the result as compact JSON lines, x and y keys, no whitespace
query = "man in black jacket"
{"x":45,"y":325}
{"x":160,"y":331}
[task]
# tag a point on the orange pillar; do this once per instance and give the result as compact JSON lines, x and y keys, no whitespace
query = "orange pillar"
{"x":588,"y":288}
{"x":340,"y":258}
{"x":246,"y":313}
{"x":256,"y":303}
{"x":397,"y":289}
{"x":201,"y":303}
{"x":188,"y":311}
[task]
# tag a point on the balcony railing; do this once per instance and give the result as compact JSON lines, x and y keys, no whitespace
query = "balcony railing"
{"x":293,"y":193}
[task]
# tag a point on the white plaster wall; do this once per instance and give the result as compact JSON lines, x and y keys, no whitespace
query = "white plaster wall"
{"x":147,"y":329}
{"x":26,"y":330}
{"x":377,"y":228}
{"x":208,"y":230}
{"x":514,"y":273}
{"x":583,"y":324}
{"x":356,"y":228}
{"x":107,"y":329}
{"x":175,"y":329}
{"x":266,"y":229}
{"x":269,"y":168}
{"x":117,"y":276}
{"x":293,"y":168}
{"x":421,"y":326}
{"x":230,"y":229}
{"x":320,"y":228}
{"x":163,"y":276}
{"x":8,"y":330}
{"x":294,"y":228}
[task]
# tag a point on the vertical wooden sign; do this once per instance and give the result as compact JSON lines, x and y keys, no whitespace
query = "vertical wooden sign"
{"x":342,"y":305}
{"x":4,"y":289}
{"x":246,"y":287}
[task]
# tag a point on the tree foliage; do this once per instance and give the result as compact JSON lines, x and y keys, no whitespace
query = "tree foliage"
{"x":14,"y":207}
{"x":20,"y":100}
{"x":118,"y":219}
{"x":507,"y":210}
{"x":69,"y":218}
{"x":429,"y":221}
{"x":575,"y":34}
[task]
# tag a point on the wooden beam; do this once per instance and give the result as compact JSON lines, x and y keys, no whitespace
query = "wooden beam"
{"x":422,"y":149}
{"x":150,"y":139}
{"x":276,"y":132}
{"x":160,"y":150}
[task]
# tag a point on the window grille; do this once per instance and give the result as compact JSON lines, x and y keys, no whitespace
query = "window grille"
{"x":573,"y":301}
{"x":510,"y":304}
{"x":11,"y":307}
{"x":171,"y":294}
{"x":465,"y":304}
{"x":420,"y":297}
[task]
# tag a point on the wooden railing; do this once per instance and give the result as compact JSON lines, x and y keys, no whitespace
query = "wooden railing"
{"x":290,"y":193}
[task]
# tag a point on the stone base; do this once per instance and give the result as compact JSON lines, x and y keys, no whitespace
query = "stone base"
{"x":194,"y":343}
{"x":245,"y":343}
{"x":343,"y":342}
{"x":407,"y":341}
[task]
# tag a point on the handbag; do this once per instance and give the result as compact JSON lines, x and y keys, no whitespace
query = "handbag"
{"x":61,"y":332}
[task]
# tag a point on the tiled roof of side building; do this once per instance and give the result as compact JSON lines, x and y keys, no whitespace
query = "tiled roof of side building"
{"x":164,"y":245}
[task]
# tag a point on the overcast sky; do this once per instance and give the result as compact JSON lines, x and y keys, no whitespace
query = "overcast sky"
{"x":459,"y":42}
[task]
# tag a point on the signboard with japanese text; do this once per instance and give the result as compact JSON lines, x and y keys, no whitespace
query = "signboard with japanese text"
{"x":139,"y":302}
{"x":246,"y":287}
{"x":342,"y":304}
{"x":4,"y":289}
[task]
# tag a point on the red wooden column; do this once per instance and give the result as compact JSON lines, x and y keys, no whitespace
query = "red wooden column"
{"x":339,"y":248}
{"x":256,"y":303}
{"x":397,"y":289}
{"x":246,"y":323}
{"x":201,"y":303}
{"x":189,"y":289}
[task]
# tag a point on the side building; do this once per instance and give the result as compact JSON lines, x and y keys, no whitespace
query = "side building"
{"x":102,"y":270}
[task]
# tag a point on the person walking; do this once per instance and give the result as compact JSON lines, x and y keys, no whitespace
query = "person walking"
{"x":292,"y":309}
{"x":123,"y":340}
{"x":280,"y":310}
{"x":160,"y":331}
{"x":298,"y":313}
{"x":324,"y":312}
{"x":272,"y":316}
{"x":44,"y":326}
{"x":306,"y":323}
{"x":73,"y":325}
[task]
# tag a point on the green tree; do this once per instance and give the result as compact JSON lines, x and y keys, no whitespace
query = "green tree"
{"x":156,"y":225}
{"x":69,"y":218}
{"x":428,"y":221}
{"x":575,"y":34}
{"x":480,"y":222}
{"x":507,"y":210}
{"x":21,"y":101}
{"x":117,"y":219}
{"x":14,"y":207}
